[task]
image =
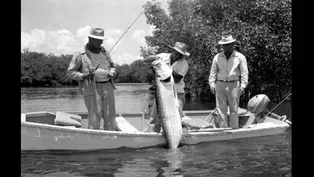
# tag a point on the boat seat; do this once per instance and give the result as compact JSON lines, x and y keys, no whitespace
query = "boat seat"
{"x":241,"y":111}
{"x":66,"y":119}
{"x":196,"y":123}
{"x":125,"y":126}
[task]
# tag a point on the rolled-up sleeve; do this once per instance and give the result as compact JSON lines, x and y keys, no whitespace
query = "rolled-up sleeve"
{"x":213,"y":72}
{"x":244,"y":71}
{"x":74,"y":66}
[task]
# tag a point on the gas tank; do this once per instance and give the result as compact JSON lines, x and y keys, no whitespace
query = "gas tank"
{"x":258,"y":103}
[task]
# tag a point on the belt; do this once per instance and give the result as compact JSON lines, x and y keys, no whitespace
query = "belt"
{"x":228,"y":81}
{"x":102,"y":82}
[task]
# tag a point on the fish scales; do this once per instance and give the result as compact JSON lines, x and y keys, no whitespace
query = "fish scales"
{"x":168,"y":110}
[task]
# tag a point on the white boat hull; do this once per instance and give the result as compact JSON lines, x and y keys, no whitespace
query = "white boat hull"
{"x":260,"y":130}
{"x":38,"y":136}
{"x":48,"y":137}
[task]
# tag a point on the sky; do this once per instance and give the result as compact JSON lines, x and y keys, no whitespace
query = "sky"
{"x":62,"y":26}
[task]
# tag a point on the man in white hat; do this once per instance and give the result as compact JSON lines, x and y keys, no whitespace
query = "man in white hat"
{"x":228,"y":80}
{"x":94,"y":70}
{"x":176,"y":60}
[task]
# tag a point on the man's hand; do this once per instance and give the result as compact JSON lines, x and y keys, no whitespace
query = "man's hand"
{"x":241,"y":91}
{"x":150,"y":59}
{"x":89,"y":75}
{"x":212,"y":89}
{"x":112,"y":72}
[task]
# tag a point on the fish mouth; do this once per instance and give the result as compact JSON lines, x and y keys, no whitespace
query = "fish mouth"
{"x":162,"y":70}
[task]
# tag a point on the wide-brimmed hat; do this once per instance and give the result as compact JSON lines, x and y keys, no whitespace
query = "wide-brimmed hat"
{"x":97,"y":33}
{"x":181,"y":48}
{"x":226,"y":39}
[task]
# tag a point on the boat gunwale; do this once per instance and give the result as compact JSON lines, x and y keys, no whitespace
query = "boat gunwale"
{"x":188,"y":112}
{"x":87,"y":131}
{"x":253,"y":127}
{"x":240,"y":130}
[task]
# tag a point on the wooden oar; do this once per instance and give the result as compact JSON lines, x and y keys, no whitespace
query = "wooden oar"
{"x":210,"y":115}
{"x":213,"y":117}
{"x":250,"y":120}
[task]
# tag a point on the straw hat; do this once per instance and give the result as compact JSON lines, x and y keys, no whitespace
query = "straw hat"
{"x":97,"y":33}
{"x":226,"y":39}
{"x":180,"y":47}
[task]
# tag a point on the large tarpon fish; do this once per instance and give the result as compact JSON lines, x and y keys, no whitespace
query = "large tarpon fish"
{"x":167,"y":103}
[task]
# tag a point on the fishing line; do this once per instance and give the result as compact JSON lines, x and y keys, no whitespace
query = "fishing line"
{"x":121,"y":36}
{"x":127,"y":30}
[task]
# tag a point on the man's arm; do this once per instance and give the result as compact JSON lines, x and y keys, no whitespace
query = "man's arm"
{"x":150,"y":59}
{"x":180,"y":70}
{"x":73,"y":69}
{"x":244,"y":72}
{"x":177,"y":77}
{"x":213,"y":72}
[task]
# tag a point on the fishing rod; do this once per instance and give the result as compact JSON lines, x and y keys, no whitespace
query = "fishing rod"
{"x":270,"y":112}
{"x":277,"y":105}
{"x":121,"y":36}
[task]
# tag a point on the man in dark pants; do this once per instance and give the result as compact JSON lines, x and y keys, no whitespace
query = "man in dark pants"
{"x":96,"y":86}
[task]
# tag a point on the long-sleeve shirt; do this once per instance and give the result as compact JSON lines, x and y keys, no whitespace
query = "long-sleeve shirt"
{"x":82,"y":62}
{"x":235,"y":68}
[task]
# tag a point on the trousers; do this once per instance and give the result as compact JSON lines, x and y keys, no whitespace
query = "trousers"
{"x":227,"y":95}
{"x":101,"y":105}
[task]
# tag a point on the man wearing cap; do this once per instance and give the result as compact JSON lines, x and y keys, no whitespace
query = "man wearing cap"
{"x":176,"y":60}
{"x":228,"y":80}
{"x":94,"y":70}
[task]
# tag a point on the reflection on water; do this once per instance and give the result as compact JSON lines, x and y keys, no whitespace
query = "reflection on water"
{"x":262,"y":156}
{"x":129,"y":99}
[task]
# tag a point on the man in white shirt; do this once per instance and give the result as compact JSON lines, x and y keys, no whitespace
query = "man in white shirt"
{"x":228,"y":80}
{"x":176,"y":60}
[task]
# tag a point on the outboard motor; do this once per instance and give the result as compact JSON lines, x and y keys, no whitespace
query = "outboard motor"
{"x":258,"y":103}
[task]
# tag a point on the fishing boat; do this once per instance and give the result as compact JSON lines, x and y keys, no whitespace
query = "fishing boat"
{"x":68,"y":131}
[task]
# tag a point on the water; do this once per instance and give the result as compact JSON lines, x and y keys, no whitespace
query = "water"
{"x":129,"y":98}
{"x":262,"y":156}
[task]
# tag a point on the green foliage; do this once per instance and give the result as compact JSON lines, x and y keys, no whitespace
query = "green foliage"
{"x":136,"y":72}
{"x":262,"y":29}
{"x":38,"y":69}
{"x":48,"y":70}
